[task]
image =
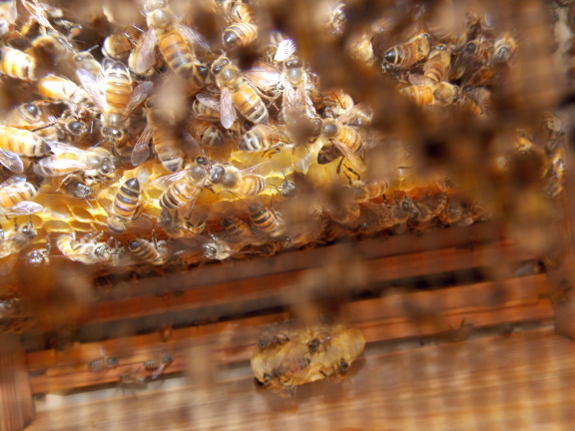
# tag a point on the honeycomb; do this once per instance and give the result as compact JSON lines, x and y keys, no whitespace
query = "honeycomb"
{"x":440,"y":143}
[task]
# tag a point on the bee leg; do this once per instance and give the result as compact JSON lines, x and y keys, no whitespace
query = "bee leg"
{"x":271,"y":151}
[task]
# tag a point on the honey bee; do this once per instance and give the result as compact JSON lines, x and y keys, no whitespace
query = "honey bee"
{"x":205,"y":108}
{"x":371,"y":190}
{"x":407,"y":54}
{"x":236,"y":232}
{"x":476,"y":101}
{"x":239,"y":34}
{"x":15,"y":240}
{"x":117,"y":47}
{"x":239,"y":182}
{"x":337,"y":18}
{"x":166,"y":141}
{"x":345,"y":142}
{"x":473,"y":55}
{"x":95,"y":164}
{"x":86,"y":250}
{"x":103,"y":362}
{"x":175,"y":42}
{"x":154,"y":252}
{"x":209,"y":134}
{"x":178,"y":226}
{"x":17,"y":64}
{"x":436,"y":67}
{"x":237,"y":93}
{"x":22,"y":142}
{"x":158,"y":363}
{"x":443,"y":93}
{"x":126,"y":206}
{"x":218,"y":249}
{"x":111,"y":89}
{"x":59,"y":89}
{"x":266,"y":220}
{"x":551,"y":124}
{"x":360,"y":48}
{"x":263,"y":138}
{"x":504,"y":48}
{"x":39,"y":257}
{"x":184,"y":187}
{"x":15,"y":196}
{"x":74,"y":186}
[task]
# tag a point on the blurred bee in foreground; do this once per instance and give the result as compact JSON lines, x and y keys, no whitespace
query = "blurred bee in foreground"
{"x":132,"y":380}
{"x":15,"y":196}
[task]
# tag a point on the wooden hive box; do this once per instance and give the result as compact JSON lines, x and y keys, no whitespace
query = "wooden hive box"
{"x":467,"y":327}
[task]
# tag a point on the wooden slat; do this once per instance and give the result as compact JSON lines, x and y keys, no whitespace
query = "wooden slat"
{"x":380,"y":320}
{"x":269,"y":286}
{"x":482,"y":233}
{"x":16,"y":405}
{"x":518,"y":382}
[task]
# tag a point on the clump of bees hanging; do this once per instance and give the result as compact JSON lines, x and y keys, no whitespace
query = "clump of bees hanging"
{"x":147,"y":143}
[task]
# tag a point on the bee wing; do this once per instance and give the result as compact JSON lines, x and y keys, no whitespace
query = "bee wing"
{"x":8,"y":11}
{"x":285,"y":49}
{"x":23,"y":208}
{"x":227,"y":110}
{"x":159,"y":371}
{"x":419,"y":79}
{"x":7,"y":266}
{"x":58,"y":164}
{"x":141,"y":150}
{"x":14,"y":179}
{"x":165,"y":180}
{"x":210,"y":102}
{"x":264,"y":76}
{"x":144,"y":54}
{"x":38,"y":12}
{"x":193,"y":36}
{"x":59,"y":148}
{"x":93,"y":86}
{"x":358,"y":115}
{"x":141,"y":93}
{"x":11,"y":161}
{"x":356,"y":161}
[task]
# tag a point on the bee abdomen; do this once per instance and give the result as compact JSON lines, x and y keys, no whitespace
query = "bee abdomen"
{"x":127,"y":198}
{"x":17,"y":64}
{"x":240,"y":34}
{"x":250,"y":105}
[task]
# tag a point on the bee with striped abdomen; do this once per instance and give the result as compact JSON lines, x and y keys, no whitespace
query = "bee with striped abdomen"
{"x":407,"y":54}
{"x":236,"y":93}
{"x":126,"y":206}
{"x":15,"y":196}
{"x":154,"y":252}
{"x":112,"y":91}
{"x":86,"y":250}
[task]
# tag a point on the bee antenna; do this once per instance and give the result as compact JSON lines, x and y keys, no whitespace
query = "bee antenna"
{"x":138,"y":28}
{"x":90,"y":49}
{"x":90,"y":205}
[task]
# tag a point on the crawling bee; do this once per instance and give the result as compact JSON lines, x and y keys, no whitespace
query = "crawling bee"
{"x":15,"y":196}
{"x":112,"y":91}
{"x":174,"y":41}
{"x":154,"y":252}
{"x":158,"y":363}
{"x":126,"y":206}
{"x":103,"y":362}
{"x":237,"y":94}
{"x":86,"y":250}
{"x":407,"y":54}
{"x":95,"y":164}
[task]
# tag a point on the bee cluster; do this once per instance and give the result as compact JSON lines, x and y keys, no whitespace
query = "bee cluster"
{"x":287,"y":356}
{"x":163,"y":146}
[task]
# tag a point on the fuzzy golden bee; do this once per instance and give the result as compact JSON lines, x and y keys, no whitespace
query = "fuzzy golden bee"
{"x":237,"y":94}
